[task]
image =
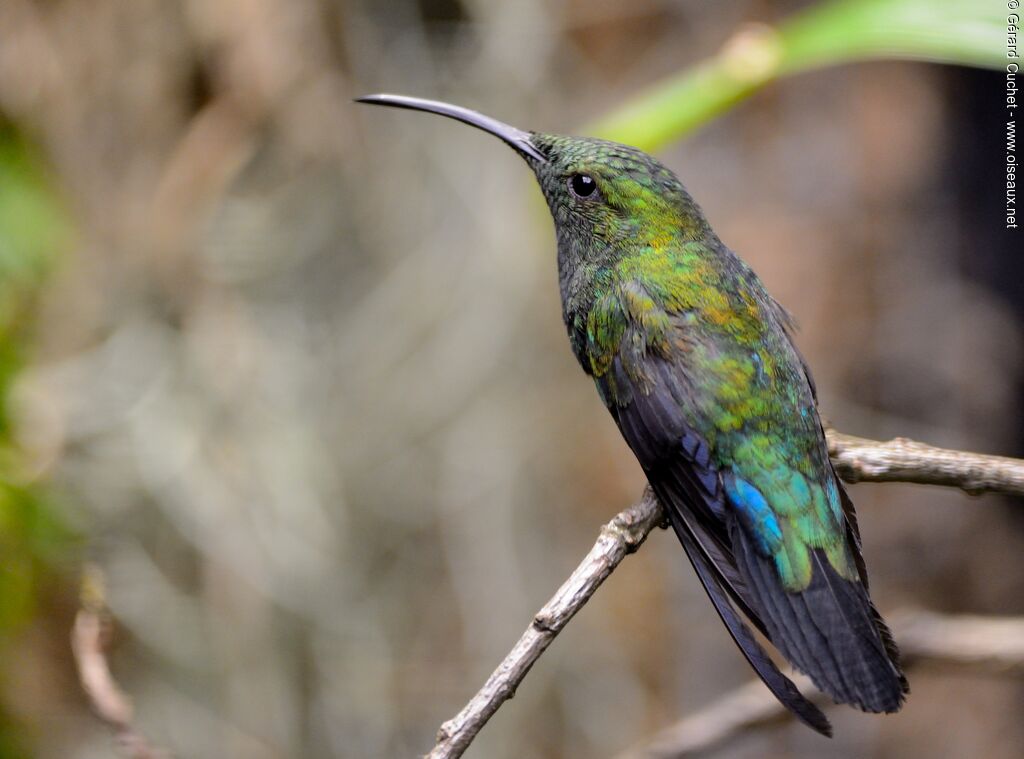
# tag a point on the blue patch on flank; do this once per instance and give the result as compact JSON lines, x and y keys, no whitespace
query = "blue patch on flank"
{"x":755,"y":513}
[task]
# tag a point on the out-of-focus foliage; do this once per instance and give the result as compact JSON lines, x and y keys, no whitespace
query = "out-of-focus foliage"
{"x":33,"y":231}
{"x":967,"y":32}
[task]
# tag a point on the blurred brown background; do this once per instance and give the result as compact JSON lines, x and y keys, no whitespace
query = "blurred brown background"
{"x":299,"y":385}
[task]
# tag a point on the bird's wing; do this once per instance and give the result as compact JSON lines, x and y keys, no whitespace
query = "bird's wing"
{"x":763,"y":538}
{"x":688,"y":484}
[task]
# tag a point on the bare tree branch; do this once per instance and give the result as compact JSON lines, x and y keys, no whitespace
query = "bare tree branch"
{"x":88,"y":643}
{"x":901,"y":460}
{"x":856,"y":460}
{"x":990,"y":644}
{"x":619,"y":537}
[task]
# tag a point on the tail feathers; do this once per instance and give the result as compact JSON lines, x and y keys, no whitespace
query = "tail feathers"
{"x":853,"y":539}
{"x":891,"y":649}
{"x":780,"y":685}
{"x":830,"y":631}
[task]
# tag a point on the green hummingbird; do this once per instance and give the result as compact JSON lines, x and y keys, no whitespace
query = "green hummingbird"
{"x":696,"y":363}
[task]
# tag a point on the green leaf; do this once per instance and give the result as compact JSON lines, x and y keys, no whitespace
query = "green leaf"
{"x":966,"y":32}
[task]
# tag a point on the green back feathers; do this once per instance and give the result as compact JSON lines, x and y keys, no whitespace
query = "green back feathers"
{"x":805,"y":514}
{"x":748,"y":401}
{"x":645,"y":279}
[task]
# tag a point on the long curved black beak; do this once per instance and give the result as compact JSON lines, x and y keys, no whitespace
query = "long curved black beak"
{"x":517,"y":138}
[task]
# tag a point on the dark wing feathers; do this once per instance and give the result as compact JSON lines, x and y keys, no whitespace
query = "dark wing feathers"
{"x":780,"y":685}
{"x":715,"y":553}
{"x":670,"y":455}
{"x":831,"y":630}
{"x":852,"y":529}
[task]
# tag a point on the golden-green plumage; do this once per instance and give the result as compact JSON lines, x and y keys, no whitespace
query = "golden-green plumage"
{"x":744,"y":391}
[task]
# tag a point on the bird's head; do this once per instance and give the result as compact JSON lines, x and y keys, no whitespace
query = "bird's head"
{"x":602,"y":195}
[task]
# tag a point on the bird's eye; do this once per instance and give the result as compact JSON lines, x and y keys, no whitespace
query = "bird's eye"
{"x":582,"y":185}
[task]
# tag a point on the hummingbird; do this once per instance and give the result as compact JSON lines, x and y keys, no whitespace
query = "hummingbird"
{"x":697,"y":365}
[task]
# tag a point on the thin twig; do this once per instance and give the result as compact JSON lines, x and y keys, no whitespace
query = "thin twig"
{"x":619,"y":537}
{"x":991,"y":644}
{"x":88,"y":643}
{"x":856,"y":460}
